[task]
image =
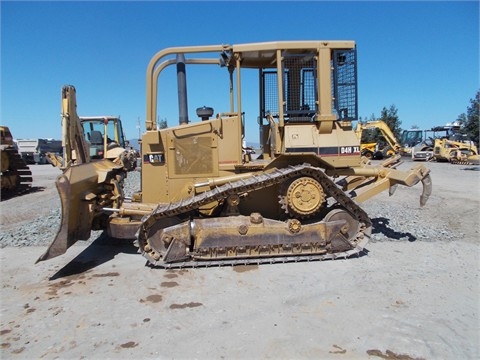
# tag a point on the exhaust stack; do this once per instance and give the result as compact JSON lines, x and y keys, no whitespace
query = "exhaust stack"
{"x":182,"y":90}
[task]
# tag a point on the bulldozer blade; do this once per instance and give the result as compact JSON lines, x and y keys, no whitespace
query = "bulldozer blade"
{"x":77,"y":187}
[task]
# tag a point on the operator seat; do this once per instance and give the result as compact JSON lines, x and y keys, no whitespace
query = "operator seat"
{"x":96,"y":138}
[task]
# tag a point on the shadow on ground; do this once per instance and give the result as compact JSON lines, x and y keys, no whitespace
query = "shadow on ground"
{"x":102,"y":250}
{"x":472,"y":168}
{"x":5,"y":195}
{"x":381,"y":226}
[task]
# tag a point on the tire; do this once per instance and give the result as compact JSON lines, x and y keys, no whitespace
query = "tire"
{"x":367,"y":154}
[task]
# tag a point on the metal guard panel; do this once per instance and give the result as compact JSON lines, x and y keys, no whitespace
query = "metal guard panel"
{"x":193,"y":156}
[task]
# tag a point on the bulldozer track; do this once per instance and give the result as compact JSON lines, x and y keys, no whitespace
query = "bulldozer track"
{"x":257,"y":182}
{"x":259,"y":261}
{"x":460,"y":162}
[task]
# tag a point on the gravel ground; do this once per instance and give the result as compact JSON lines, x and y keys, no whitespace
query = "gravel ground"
{"x":25,"y":227}
{"x":35,"y":217}
{"x":415,"y":294}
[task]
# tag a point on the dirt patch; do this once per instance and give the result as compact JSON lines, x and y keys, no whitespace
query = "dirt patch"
{"x":413,"y":294}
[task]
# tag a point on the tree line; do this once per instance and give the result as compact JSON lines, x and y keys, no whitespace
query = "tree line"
{"x":471,"y":119}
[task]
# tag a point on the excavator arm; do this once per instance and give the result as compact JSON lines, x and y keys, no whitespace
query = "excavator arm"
{"x":383,"y":128}
{"x":75,"y":148}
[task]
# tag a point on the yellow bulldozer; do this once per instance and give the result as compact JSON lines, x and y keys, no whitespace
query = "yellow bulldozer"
{"x":440,"y":143}
{"x":16,"y":176}
{"x":454,"y":147}
{"x":203,"y":200}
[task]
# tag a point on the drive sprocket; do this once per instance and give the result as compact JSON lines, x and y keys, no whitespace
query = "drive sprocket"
{"x":303,"y":197}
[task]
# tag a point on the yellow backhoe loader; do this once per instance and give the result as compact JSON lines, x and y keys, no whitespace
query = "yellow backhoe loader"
{"x":202,"y":200}
{"x":103,"y":136}
{"x":373,"y":150}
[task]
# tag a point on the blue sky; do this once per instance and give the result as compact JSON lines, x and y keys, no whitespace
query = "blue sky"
{"x":423,"y":57}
